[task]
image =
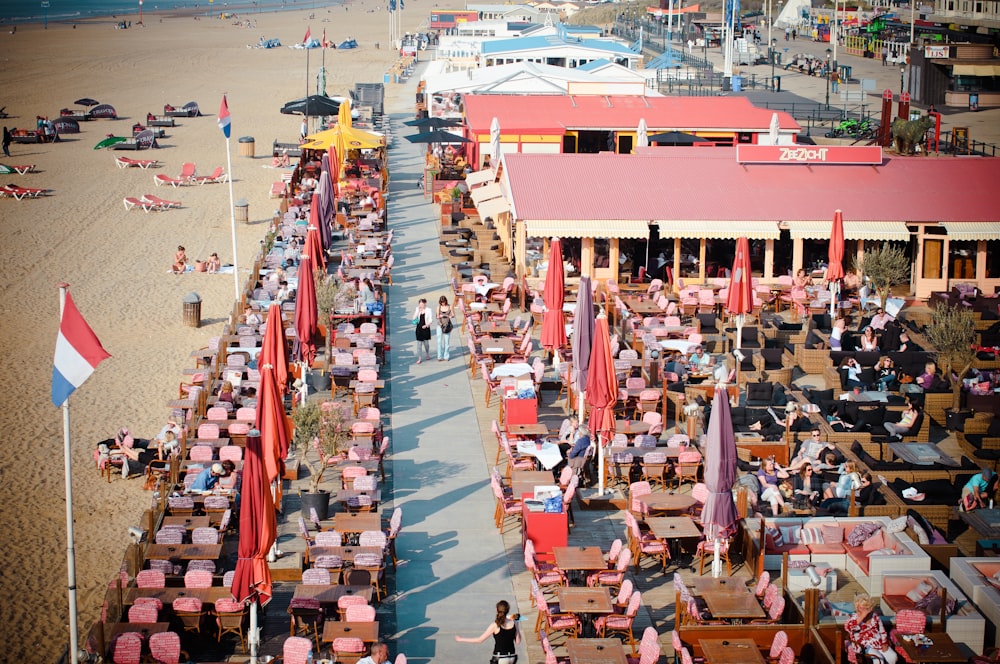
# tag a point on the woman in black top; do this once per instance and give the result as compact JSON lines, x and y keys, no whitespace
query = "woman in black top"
{"x":422,"y":323}
{"x":505,"y":633}
{"x":808,"y":488}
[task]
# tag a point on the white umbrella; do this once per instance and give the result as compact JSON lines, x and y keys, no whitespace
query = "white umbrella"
{"x":642,"y":135}
{"x":772,"y":131}
{"x":495,"y":142}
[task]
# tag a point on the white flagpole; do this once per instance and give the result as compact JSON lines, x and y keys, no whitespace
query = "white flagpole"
{"x":74,"y":637}
{"x":253,"y":637}
{"x":232,"y":221}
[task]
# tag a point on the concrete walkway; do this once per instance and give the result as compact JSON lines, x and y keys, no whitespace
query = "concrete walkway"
{"x":455,"y":569}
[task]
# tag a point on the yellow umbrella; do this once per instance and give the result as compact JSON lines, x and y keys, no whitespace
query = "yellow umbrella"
{"x":353,"y":139}
{"x":344,"y":114}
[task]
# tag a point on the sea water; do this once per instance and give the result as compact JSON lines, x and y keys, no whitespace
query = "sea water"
{"x":27,"y":11}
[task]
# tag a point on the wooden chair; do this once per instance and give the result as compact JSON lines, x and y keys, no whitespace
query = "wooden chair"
{"x":230,"y":617}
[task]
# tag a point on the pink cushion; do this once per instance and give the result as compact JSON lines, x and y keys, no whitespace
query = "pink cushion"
{"x":833,"y":534}
{"x":874,"y":543}
{"x":827,"y":548}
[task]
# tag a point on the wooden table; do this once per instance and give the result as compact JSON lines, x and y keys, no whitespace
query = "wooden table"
{"x":346,"y":553}
{"x":484,"y":308}
{"x":494,"y":328}
{"x":168,"y":595}
{"x":642,"y":307}
{"x":942,"y":650}
{"x":984,"y":522}
{"x":527,"y":430}
{"x":705,"y":584}
{"x":330,"y":594}
{"x":582,"y":558}
{"x":337,"y":629}
{"x":584,"y":600}
{"x":183,"y":551}
{"x":498,"y":346}
{"x":344,"y":495}
{"x":922,"y":454}
{"x":673,"y":527}
{"x":357,"y":522}
{"x":595,"y":651}
{"x":525,"y":481}
{"x":631,"y":427}
{"x":667,"y":502}
{"x":739,"y":604}
{"x":379,"y":384}
{"x":730,"y":651}
{"x":189,"y":522}
{"x":144,"y":628}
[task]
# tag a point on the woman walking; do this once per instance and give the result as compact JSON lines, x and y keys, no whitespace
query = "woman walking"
{"x":422,"y":323}
{"x":505,"y":633}
{"x":444,"y":327}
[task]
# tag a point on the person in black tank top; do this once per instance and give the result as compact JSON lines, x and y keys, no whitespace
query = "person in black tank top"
{"x":505,"y":632}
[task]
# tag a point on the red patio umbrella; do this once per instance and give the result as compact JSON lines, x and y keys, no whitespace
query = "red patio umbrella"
{"x":835,"y":256}
{"x":272,"y":424}
{"x":314,"y":241}
{"x":740,"y":300}
{"x":553,"y":325}
{"x":602,"y":390}
{"x":258,"y":528}
{"x":305,"y":313}
{"x":273,"y":349}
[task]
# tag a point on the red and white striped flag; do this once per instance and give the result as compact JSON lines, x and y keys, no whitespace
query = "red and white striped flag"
{"x":326,"y":44}
{"x":305,"y":40}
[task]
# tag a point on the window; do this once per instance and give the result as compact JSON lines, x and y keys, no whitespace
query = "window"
{"x":992,"y":266}
{"x":962,"y":260}
{"x":602,"y":252}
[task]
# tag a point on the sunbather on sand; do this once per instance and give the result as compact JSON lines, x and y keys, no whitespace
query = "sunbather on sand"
{"x":213,"y":263}
{"x":180,"y":260}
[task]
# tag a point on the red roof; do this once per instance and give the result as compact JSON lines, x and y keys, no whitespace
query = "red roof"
{"x":693,"y":184}
{"x":554,"y":114}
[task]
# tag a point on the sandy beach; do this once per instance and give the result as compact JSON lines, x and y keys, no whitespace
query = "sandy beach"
{"x":117,"y":262}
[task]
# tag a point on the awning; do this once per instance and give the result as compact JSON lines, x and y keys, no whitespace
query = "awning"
{"x":891,"y":231}
{"x":481,"y":194}
{"x":972,"y":230}
{"x":976,"y":70}
{"x":493,"y":207}
{"x":480,"y":177}
{"x":616,"y":228}
{"x":720,"y":230}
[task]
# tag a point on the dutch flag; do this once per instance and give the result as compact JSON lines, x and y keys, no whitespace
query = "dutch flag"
{"x":78,"y":352}
{"x":224,"y":117}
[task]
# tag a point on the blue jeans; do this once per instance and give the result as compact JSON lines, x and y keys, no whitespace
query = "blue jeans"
{"x":444,"y":344}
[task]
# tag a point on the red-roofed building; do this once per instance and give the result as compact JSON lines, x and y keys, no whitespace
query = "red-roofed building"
{"x":700,"y":201}
{"x":592,"y":122}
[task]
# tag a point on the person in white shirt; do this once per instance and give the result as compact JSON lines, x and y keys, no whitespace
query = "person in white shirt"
{"x":880,"y":320}
{"x":380,"y":655}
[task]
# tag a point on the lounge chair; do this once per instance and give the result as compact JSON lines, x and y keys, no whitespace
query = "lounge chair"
{"x":132,"y":202}
{"x":161,"y":178}
{"x":158,"y":121}
{"x":159,"y":202}
{"x":217,"y":176}
{"x":188,"y":171}
{"x":126,"y":162}
{"x":20,"y":169}
{"x":20,"y":192}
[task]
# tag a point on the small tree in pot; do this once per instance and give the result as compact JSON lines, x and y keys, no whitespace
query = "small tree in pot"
{"x":952,"y":331}
{"x":884,"y":267}
{"x":331,"y":295}
{"x":325,"y":431}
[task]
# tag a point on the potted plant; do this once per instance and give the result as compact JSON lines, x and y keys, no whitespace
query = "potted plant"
{"x":326,"y":431}
{"x":951,"y":330}
{"x":331,"y":295}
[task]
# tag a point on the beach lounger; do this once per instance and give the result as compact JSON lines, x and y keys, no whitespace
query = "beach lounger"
{"x":161,"y":179}
{"x":132,"y":202}
{"x":217,"y":176}
{"x":20,"y":169}
{"x":130,"y":144}
{"x":157,"y":121}
{"x":20,"y":192}
{"x":159,"y":202}
{"x":126,"y":162}
{"x":188,"y":171}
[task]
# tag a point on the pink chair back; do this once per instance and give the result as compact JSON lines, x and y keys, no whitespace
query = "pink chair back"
{"x":778,"y":644}
{"x":202,"y":452}
{"x":127,"y":648}
{"x":197,"y":579}
{"x":328,"y":538}
{"x":205,"y":535}
{"x":296,"y":650}
{"x":232,"y":453}
{"x":165,"y":647}
{"x":360,"y":613}
{"x":217,"y":414}
{"x":316,"y":576}
{"x":150,"y":578}
{"x":142,"y":613}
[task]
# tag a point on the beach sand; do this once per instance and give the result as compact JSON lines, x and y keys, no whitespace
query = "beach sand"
{"x":117,"y":262}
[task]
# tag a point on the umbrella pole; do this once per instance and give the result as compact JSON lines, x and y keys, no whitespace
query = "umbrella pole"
{"x":834,"y":293}
{"x":716,"y":560}
{"x":739,"y":345}
{"x":253,"y":638}
{"x":600,"y":465}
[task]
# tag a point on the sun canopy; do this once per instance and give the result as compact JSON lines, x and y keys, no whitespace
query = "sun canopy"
{"x":493,"y":207}
{"x":480,"y":177}
{"x":892,"y":231}
{"x":609,"y":228}
{"x":976,"y":230}
{"x":722,"y":229}
{"x":354,"y":139}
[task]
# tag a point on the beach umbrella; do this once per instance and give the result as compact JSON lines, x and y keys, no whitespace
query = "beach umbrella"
{"x":642,"y":134}
{"x":258,"y":529}
{"x":273,"y":348}
{"x":272,"y":423}
{"x":740,"y":300}
{"x":314,"y":245}
{"x":87,"y":101}
{"x":305,"y":312}
{"x":553,"y":324}
{"x":312,"y":106}
{"x":772,"y":131}
{"x":437,"y":136}
{"x":327,"y":206}
{"x":495,"y":141}
{"x":835,"y":256}
{"x":344,"y":115}
{"x":718,"y":515}
{"x":602,"y":391}
{"x":434,"y":123}
{"x":583,"y":339}
{"x":109,"y":141}
{"x":676,"y":138}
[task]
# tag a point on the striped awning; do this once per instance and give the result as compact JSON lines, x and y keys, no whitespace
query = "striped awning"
{"x":480,"y":177}
{"x":481,"y":194}
{"x":891,"y":231}
{"x":975,"y":70}
{"x":972,"y":230}
{"x":616,"y":228}
{"x":493,"y":207}
{"x":720,"y":229}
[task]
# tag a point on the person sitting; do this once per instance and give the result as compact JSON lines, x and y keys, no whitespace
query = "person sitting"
{"x":801,"y":279}
{"x":866,"y":634}
{"x":850,"y":480}
{"x":794,"y":421}
{"x":977,"y":491}
{"x":213,"y":263}
{"x":807,"y":488}
{"x":811,"y":452}
{"x":208,"y":478}
{"x":698,"y":359}
{"x":852,"y":282}
{"x":880,"y":319}
{"x":905,"y":423}
{"x":837,"y":334}
{"x":770,"y":476}
{"x":226,"y":393}
{"x":885,"y":372}
{"x":676,"y":364}
{"x":868,"y":342}
{"x":577,"y":456}
{"x":851,"y":372}
{"x":251,"y":317}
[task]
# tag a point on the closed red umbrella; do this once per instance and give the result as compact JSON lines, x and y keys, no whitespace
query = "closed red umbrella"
{"x":272,"y":424}
{"x":740,"y":300}
{"x":835,"y":256}
{"x":314,"y":242}
{"x":553,"y":325}
{"x":273,"y":348}
{"x":602,"y":389}
{"x":718,"y":515}
{"x":258,"y":528}
{"x":305,"y":313}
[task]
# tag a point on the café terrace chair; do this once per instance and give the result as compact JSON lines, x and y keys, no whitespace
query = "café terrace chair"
{"x":360,"y":613}
{"x":297,"y":650}
{"x":333,"y":564}
{"x":373,"y":564}
{"x":552,"y":620}
{"x":305,"y":614}
{"x":316,"y":576}
{"x":143,"y":613}
{"x":150,"y":578}
{"x":649,"y":648}
{"x":706,"y":549}
{"x":190,"y":612}
{"x":346,"y":601}
{"x":230,"y":617}
{"x":778,"y":645}
{"x":348,"y":650}
{"x":198,"y":578}
{"x":612,"y":578}
{"x":645,"y":543}
{"x":395,"y":525}
{"x":165,"y":648}
{"x":126,"y":648}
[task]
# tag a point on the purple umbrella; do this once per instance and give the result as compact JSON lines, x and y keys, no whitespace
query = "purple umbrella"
{"x":327,"y":207}
{"x":583,"y":338}
{"x":718,"y":516}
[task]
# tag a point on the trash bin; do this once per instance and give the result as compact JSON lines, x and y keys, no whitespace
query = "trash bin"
{"x":242,"y":207}
{"x":192,"y":310}
{"x":777,"y":84}
{"x":737,"y":83}
{"x":246,"y":146}
{"x":727,"y":84}
{"x":973,"y":101}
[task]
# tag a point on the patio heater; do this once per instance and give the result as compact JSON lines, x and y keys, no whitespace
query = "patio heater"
{"x":902,"y":80}
{"x":774,"y":55}
{"x":828,"y":74}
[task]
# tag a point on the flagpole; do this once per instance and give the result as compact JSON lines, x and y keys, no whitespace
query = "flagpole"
{"x":232,"y":221}
{"x":74,"y":637}
{"x":307,"y":80}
